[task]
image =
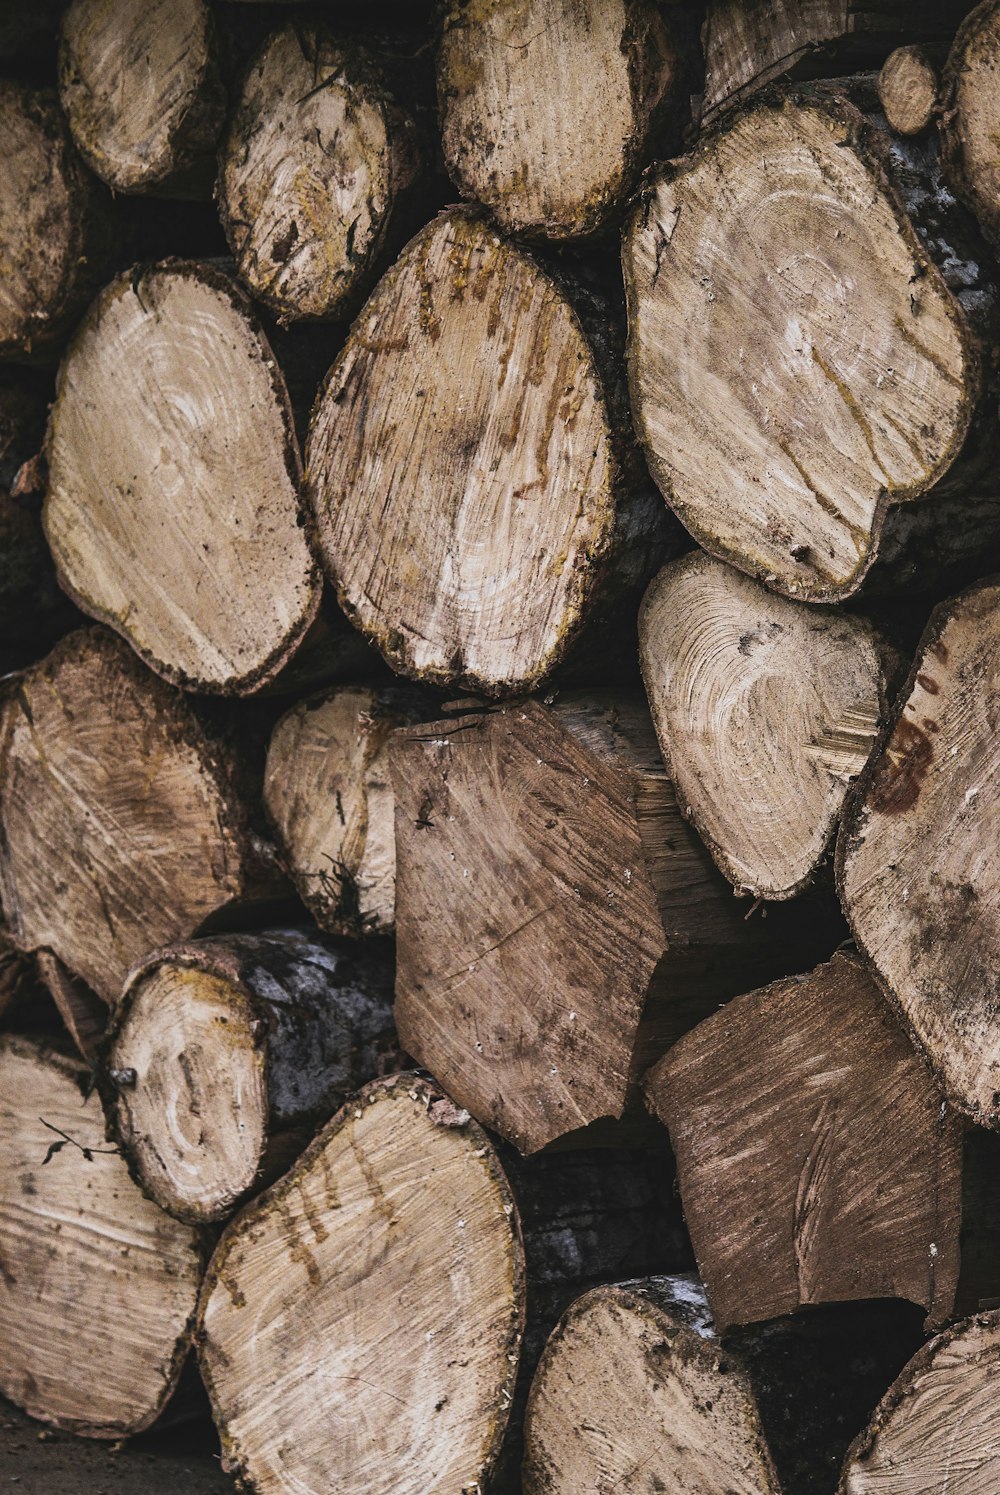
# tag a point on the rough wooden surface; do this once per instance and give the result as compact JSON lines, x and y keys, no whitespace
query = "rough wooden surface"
{"x":141,"y":87}
{"x":548,"y":108}
{"x":172,"y":508}
{"x":970,"y":115}
{"x":918,"y":858}
{"x":908,"y":89}
{"x":98,"y":1286}
{"x":816,"y":1160}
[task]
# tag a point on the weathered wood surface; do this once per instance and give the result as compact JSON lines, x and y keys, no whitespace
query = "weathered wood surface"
{"x":908,"y":89}
{"x":224,"y":1055}
{"x":173,"y":508}
{"x":549,"y":108}
{"x":816,"y":1160}
{"x":918,"y":856}
{"x":970,"y":115}
{"x":468,"y":410}
{"x":123,"y":826}
{"x":765,"y":711}
{"x":98,"y":1287}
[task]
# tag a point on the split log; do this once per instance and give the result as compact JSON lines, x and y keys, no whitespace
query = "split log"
{"x":935,"y":1429}
{"x":97,"y":1286}
{"x":970,"y":116}
{"x":918,"y":862}
{"x":467,"y":411}
{"x":122,"y":824}
{"x":816,"y":1160}
{"x":548,"y":109}
{"x":224,"y":1056}
{"x":316,"y":172}
{"x":788,"y":422}
{"x":765,"y":712}
{"x":173,"y":509}
{"x":908,"y":90}
{"x":329,"y":801}
{"x":530,"y":841}
{"x":54,"y":240}
{"x":141,"y":87}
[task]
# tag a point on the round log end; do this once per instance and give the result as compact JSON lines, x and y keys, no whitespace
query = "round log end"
{"x":970,"y":115}
{"x":908,"y":90}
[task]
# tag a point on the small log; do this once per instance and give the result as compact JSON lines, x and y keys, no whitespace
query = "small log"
{"x":935,"y":1428}
{"x":173,"y":509}
{"x":329,"y":800}
{"x":765,"y":712}
{"x":33,"y":611}
{"x":97,"y":1286}
{"x":316,"y":171}
{"x":224,"y":1056}
{"x":815,"y":1158}
{"x":140,"y":83}
{"x":533,"y":840}
{"x":970,"y":116}
{"x":122,"y":824}
{"x":918,"y":863}
{"x":908,"y":90}
{"x":548,"y":109}
{"x":789,"y":424}
{"x":467,"y":410}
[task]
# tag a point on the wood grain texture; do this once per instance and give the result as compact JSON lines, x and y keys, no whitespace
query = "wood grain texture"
{"x":816,"y":1160}
{"x":970,"y":115}
{"x":908,"y":89}
{"x":172,"y":508}
{"x":918,"y":857}
{"x":765,"y":711}
{"x":97,"y":1286}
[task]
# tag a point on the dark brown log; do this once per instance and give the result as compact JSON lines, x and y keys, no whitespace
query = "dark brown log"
{"x":122,"y":823}
{"x":908,"y":89}
{"x":558,"y":922}
{"x":970,"y":112}
{"x":224,"y":1056}
{"x":97,"y":1286}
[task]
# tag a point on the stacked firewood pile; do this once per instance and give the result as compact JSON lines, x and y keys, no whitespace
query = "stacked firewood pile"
{"x":500,"y":740}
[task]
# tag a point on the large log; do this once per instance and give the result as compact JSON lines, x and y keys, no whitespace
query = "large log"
{"x":469,"y":411}
{"x":97,"y":1286}
{"x":548,"y":109}
{"x":558,"y":922}
{"x":225,"y":1055}
{"x":812,"y":323}
{"x":918,"y":858}
{"x":123,"y":823}
{"x":172,"y":508}
{"x":970,"y":113}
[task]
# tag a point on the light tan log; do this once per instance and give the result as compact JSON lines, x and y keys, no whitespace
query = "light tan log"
{"x":549,"y":108}
{"x":329,"y":801}
{"x":97,"y":1286}
{"x":224,"y":1055}
{"x":765,"y":711}
{"x":935,"y":1429}
{"x":809,"y":345}
{"x":970,"y":115}
{"x":467,"y":410}
{"x":558,"y":922}
{"x":55,"y":237}
{"x":315,"y":172}
{"x":123,"y":826}
{"x":141,"y":87}
{"x":918,"y":858}
{"x":172,"y":508}
{"x":908,"y":90}
{"x":815,"y":1158}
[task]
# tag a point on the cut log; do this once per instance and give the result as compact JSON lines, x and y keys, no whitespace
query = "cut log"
{"x":558,"y":922}
{"x":97,"y":1286}
{"x":788,"y":420}
{"x":935,"y":1429}
{"x":316,"y":170}
{"x":173,"y":509}
{"x":122,"y":825}
{"x":816,"y":1160}
{"x":141,"y":86}
{"x":918,"y":858}
{"x":54,"y":237}
{"x":908,"y":90}
{"x":970,"y":115}
{"x":225,"y":1055}
{"x":548,"y":108}
{"x":329,"y":801}
{"x":765,"y":711}
{"x":467,"y":411}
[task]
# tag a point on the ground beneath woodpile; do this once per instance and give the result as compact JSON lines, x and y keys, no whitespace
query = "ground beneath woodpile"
{"x":36,"y":1460}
